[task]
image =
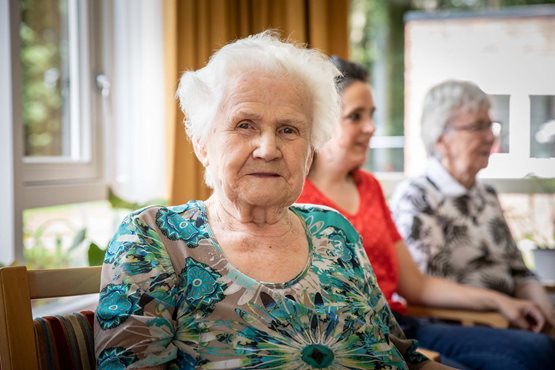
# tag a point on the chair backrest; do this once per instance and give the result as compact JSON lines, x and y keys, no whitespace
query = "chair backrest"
{"x":24,"y":343}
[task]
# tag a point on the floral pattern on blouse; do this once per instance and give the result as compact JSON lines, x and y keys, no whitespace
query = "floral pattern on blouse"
{"x":169,"y":295}
{"x":457,"y":233}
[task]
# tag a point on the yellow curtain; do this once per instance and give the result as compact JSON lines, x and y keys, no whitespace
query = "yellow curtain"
{"x":194,"y":29}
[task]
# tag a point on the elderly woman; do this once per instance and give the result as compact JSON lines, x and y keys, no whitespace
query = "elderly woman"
{"x":336,"y":180}
{"x":246,"y":279}
{"x":453,"y":224}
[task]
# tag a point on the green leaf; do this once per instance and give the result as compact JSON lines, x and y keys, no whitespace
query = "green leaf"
{"x":78,"y":238}
{"x":117,"y":202}
{"x":95,"y":254}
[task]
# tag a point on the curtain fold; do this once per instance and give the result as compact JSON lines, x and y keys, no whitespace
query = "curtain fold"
{"x":194,"y":29}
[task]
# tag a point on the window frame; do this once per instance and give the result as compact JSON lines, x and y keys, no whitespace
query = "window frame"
{"x":33,"y":183}
{"x":85,"y":171}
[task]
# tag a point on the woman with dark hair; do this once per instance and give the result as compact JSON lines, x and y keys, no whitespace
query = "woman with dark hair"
{"x":336,"y":180}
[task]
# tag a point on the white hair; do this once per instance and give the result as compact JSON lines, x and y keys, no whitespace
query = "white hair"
{"x":440,"y":104}
{"x":200,"y":92}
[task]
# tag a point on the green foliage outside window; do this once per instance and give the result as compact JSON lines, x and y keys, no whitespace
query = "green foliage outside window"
{"x":43,"y":255}
{"x":44,"y":49}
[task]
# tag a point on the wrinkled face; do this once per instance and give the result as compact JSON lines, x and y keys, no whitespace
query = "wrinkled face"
{"x":259,"y":150}
{"x":350,"y":145}
{"x":466,"y":144}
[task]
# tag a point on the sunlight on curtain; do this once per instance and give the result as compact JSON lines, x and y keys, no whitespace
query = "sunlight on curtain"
{"x":195,"y":28}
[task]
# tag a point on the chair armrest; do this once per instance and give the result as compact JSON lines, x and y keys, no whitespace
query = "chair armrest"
{"x":432,"y":355}
{"x":465,"y":317}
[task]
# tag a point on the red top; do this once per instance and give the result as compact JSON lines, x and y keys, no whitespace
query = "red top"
{"x":374,"y":224}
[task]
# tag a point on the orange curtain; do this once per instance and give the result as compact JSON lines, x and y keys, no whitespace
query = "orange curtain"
{"x":194,"y":29}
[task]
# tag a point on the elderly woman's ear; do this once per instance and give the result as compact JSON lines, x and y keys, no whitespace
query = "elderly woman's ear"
{"x":439,"y":147}
{"x":200,"y":152}
{"x":309,"y":159}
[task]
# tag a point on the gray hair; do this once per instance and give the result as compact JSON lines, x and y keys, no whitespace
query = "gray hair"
{"x":200,"y":92}
{"x":441,"y":102}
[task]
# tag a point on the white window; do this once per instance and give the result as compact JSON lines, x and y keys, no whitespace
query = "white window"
{"x":50,"y":124}
{"x":81,"y":106}
{"x":62,"y":160}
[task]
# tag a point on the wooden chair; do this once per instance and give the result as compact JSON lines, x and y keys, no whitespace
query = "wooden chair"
{"x":468,"y":318}
{"x":464,"y":317}
{"x":20,"y":340}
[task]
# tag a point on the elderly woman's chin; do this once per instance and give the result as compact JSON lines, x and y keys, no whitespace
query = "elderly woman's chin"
{"x":264,"y":192}
{"x":482,"y":159}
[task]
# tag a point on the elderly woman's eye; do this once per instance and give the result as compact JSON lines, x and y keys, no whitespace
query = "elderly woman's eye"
{"x":244,"y":125}
{"x":289,"y":130}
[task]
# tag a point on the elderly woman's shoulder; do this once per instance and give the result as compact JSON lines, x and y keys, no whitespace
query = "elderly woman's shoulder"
{"x":418,"y":184}
{"x":417,"y":192}
{"x":156,"y":214}
{"x":310,"y":208}
{"x":320,"y":215}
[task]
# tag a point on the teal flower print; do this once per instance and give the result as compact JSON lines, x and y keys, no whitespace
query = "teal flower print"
{"x":285,"y":334}
{"x":189,"y":327}
{"x":141,"y":259}
{"x":115,"y":306}
{"x":342,"y":247}
{"x":202,"y":285}
{"x":175,"y":227}
{"x":184,"y":361}
{"x":182,"y":208}
{"x":115,"y":249}
{"x":140,"y":255}
{"x":413,"y":355}
{"x":317,"y":355}
{"x":115,"y":358}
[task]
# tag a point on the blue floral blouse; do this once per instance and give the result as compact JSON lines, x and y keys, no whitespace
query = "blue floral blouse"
{"x":168,"y":295}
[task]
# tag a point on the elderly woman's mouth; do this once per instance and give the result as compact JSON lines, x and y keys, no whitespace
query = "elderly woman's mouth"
{"x":264,"y":174}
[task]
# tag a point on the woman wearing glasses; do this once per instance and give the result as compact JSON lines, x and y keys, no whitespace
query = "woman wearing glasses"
{"x":453,"y":224}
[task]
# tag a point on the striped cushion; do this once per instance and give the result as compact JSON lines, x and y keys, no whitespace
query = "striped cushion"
{"x":65,"y":342}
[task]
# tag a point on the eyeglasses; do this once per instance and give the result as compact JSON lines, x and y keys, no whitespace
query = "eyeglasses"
{"x":478,"y":127}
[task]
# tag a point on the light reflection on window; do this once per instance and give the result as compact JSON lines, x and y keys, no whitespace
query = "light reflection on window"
{"x":542,"y":126}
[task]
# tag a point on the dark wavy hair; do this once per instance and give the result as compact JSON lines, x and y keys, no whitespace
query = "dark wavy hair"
{"x":350,"y":72}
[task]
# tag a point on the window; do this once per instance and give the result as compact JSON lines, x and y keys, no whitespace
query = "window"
{"x":81,"y":86}
{"x":53,"y":155}
{"x":61,"y":130}
{"x":500,"y":113}
{"x":372,"y":39}
{"x":542,"y":126}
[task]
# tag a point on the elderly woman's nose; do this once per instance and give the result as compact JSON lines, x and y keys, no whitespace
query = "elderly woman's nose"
{"x":490,"y":136}
{"x":267,"y":147}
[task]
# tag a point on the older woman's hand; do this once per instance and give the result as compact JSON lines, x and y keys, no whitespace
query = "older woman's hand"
{"x":522,"y":314}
